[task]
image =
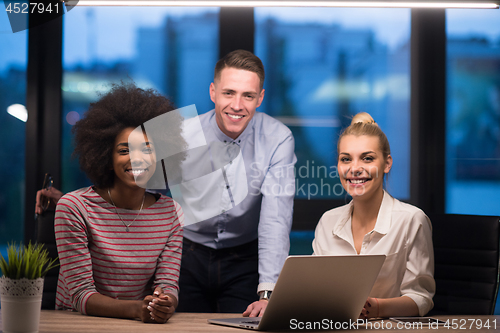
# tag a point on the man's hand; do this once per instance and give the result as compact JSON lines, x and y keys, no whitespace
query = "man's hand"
{"x":256,"y":309}
{"x":158,"y":308}
{"x":52,"y":193}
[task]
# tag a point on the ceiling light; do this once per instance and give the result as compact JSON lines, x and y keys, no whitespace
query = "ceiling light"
{"x":19,"y":111}
{"x":291,"y":3}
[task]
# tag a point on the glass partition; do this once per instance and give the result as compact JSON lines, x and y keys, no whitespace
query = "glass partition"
{"x":13,"y":115}
{"x":172,"y":50}
{"x":323,"y":65}
{"x":473,"y":112}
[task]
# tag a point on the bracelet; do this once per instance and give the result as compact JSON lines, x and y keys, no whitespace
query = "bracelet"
{"x":378,"y":308}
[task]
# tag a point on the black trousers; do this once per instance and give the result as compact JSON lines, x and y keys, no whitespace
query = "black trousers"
{"x":223,"y":280}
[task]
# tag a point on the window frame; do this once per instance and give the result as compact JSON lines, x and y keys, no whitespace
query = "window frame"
{"x":44,"y":104}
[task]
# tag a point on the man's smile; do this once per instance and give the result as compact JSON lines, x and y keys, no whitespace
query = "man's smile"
{"x":234,"y":116}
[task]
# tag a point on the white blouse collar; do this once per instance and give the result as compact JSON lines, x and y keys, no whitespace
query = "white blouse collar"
{"x":383,"y":223}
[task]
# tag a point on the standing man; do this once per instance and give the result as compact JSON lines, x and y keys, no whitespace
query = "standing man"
{"x":234,"y":259}
{"x":231,"y":262}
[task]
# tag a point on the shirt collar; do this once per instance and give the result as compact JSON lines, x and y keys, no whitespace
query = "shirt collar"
{"x":343,"y":219}
{"x":384,"y":215}
{"x":383,"y":223}
{"x":224,"y":138}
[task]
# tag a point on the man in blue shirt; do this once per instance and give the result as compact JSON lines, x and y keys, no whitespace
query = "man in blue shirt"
{"x":231,"y":261}
{"x":227,"y":256}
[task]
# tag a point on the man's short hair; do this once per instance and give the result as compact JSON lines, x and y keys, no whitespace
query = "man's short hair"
{"x":241,"y":59}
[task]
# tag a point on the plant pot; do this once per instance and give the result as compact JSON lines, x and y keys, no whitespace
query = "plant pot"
{"x":21,"y":302}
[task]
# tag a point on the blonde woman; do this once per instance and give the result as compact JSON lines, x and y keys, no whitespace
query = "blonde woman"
{"x":376,"y":223}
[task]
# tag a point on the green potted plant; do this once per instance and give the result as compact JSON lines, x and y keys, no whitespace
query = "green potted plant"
{"x":21,"y":286}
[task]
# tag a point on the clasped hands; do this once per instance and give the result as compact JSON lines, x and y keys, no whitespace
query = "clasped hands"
{"x":158,"y":308}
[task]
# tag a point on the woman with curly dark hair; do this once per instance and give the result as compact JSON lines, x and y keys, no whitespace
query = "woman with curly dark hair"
{"x":119,"y":245}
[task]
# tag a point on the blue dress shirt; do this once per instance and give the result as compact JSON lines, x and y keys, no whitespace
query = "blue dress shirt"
{"x":265,"y":154}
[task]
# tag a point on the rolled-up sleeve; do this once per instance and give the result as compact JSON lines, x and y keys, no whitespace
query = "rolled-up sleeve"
{"x":418,"y":281}
{"x":278,"y":191}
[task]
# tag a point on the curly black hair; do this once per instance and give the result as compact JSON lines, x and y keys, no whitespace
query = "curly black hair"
{"x":124,"y":106}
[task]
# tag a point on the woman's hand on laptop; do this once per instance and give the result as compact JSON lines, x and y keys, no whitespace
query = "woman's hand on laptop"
{"x":256,"y":309}
{"x":370,"y":309}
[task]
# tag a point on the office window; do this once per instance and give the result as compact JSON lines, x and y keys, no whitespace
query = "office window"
{"x":473,"y":112}
{"x":172,"y":50}
{"x":13,"y":62}
{"x":325,"y":65}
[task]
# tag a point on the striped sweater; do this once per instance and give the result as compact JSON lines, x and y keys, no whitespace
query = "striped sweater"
{"x":98,"y":255}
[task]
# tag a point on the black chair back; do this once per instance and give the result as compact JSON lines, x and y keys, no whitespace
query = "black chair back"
{"x":45,"y":235}
{"x":466,"y":254}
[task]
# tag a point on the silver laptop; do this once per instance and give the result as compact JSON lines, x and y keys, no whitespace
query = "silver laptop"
{"x":314,"y":289}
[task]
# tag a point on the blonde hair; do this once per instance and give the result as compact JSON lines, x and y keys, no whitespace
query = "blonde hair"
{"x":363,"y":124}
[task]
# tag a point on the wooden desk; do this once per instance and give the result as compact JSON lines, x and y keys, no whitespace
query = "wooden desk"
{"x":73,"y":322}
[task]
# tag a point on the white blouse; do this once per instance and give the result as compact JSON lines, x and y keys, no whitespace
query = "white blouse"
{"x":403,"y":233}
